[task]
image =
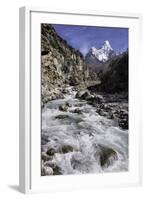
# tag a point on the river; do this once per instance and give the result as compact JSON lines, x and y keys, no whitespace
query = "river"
{"x":80,"y":140}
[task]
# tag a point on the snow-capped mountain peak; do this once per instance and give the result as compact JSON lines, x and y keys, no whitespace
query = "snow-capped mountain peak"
{"x":102,"y":54}
{"x":106,"y":46}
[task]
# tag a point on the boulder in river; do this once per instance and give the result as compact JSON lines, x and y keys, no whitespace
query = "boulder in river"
{"x":99,"y":98}
{"x":68,"y":104}
{"x":53,"y":167}
{"x":61,"y":117}
{"x":85,"y":94}
{"x":48,"y":171}
{"x":63,"y":108}
{"x":78,"y":111}
{"x":107,"y":156}
{"x":66,"y":149}
{"x":56,"y":170}
{"x":51,"y":152}
{"x":45,"y":157}
{"x":123,"y":123}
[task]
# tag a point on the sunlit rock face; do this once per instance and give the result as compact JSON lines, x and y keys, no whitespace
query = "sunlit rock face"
{"x":60,"y":64}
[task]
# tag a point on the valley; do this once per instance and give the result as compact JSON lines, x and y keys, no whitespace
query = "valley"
{"x":84,"y":108}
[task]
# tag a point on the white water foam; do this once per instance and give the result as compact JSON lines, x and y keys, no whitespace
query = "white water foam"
{"x":85,"y":133}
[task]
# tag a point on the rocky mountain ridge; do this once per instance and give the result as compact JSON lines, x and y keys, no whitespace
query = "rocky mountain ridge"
{"x":61,"y":65}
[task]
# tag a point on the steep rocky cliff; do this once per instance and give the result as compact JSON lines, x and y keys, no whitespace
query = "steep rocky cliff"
{"x":114,"y":76}
{"x":60,"y":64}
{"x":114,"y":79}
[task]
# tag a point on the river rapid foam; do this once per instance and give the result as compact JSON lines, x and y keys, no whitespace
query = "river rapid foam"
{"x":79,"y":140}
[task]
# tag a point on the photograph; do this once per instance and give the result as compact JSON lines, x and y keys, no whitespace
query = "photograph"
{"x":84,"y":99}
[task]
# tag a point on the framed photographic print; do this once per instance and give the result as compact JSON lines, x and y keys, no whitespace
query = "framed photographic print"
{"x":79,"y":107}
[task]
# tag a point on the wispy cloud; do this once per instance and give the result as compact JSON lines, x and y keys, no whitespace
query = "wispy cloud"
{"x":84,"y":49}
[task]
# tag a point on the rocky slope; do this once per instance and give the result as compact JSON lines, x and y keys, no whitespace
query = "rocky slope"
{"x":60,"y":63}
{"x":114,"y":76}
{"x":110,"y":97}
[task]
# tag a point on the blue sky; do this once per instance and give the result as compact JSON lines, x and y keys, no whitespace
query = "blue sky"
{"x":84,"y":37}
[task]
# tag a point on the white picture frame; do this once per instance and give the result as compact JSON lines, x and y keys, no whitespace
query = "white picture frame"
{"x":29,"y":160}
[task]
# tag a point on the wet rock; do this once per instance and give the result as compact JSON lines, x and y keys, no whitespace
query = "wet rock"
{"x":104,"y":113}
{"x":45,"y":157}
{"x":48,"y":171}
{"x":79,"y":105}
{"x":75,"y":163}
{"x":121,"y":116}
{"x":63,"y":108}
{"x":123,"y":123}
{"x":83,"y":94}
{"x":61,"y":117}
{"x":98,"y":99}
{"x":64,"y":91}
{"x":68,"y":104}
{"x":116,"y":111}
{"x":107,"y":156}
{"x":52,"y":167}
{"x":56,"y":170}
{"x":66,"y":149}
{"x":78,"y":111}
{"x":79,"y":94}
{"x":86,"y":95}
{"x":92,"y":99}
{"x":51,"y":152}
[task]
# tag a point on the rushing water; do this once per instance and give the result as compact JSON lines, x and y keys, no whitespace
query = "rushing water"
{"x":85,"y":132}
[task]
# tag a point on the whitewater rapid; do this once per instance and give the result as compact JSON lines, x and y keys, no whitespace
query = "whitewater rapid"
{"x":85,"y":132}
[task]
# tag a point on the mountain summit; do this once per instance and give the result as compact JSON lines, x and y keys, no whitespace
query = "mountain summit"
{"x":102,"y":54}
{"x":95,"y":58}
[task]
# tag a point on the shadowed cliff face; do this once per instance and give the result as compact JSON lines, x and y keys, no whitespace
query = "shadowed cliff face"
{"x":114,"y":79}
{"x":114,"y":76}
{"x":60,"y":63}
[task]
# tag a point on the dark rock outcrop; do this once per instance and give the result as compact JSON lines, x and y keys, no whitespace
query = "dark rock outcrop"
{"x":106,"y":156}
